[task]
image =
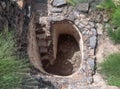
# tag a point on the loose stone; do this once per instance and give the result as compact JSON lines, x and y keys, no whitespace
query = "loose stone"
{"x":91,"y":24}
{"x":99,"y":28}
{"x":59,"y":2}
{"x":56,"y":10}
{"x":93,"y":41}
{"x":57,"y":18}
{"x":91,"y":62}
{"x":94,"y":31}
{"x":80,"y":25}
{"x":82,"y":7}
{"x":77,"y":21}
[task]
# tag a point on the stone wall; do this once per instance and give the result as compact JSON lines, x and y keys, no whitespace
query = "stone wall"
{"x":79,"y":15}
{"x":16,"y":14}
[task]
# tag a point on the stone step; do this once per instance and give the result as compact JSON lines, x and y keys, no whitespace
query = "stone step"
{"x":42,"y":43}
{"x":43,"y":50}
{"x":41,"y":36}
{"x":45,"y":57}
{"x":47,"y":32}
{"x":39,"y":30}
{"x":43,"y":20}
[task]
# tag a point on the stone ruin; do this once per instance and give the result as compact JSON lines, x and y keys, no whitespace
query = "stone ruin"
{"x":62,"y":41}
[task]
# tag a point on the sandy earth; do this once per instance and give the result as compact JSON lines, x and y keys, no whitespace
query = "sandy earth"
{"x":105,"y":47}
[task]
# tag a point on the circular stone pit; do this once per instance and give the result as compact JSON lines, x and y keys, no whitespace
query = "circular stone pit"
{"x":86,"y":38}
{"x":68,"y":57}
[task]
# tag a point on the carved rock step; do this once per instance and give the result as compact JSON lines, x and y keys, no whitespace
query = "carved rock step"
{"x":43,"y":50}
{"x":45,"y":57}
{"x":43,"y":20}
{"x":41,"y":36}
{"x":42,"y":43}
{"x":39,"y":30}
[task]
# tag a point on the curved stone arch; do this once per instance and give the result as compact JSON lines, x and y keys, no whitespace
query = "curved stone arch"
{"x":65,"y":27}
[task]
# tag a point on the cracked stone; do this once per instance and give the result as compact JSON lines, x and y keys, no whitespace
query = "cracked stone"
{"x":99,"y":28}
{"x":71,"y":17}
{"x":91,"y":62}
{"x":94,"y":31}
{"x":84,"y":7}
{"x":57,"y":18}
{"x":59,"y":2}
{"x":77,"y":21}
{"x":93,"y":41}
{"x":3,"y":4}
{"x":91,"y":24}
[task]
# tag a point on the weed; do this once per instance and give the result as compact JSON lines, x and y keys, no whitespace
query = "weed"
{"x":10,"y":66}
{"x":111,"y":68}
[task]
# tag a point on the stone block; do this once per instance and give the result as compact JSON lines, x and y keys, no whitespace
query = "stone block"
{"x":94,"y":31}
{"x":57,"y":18}
{"x":93,"y":42}
{"x":91,"y":63}
{"x":84,"y":7}
{"x":99,"y":28}
{"x":56,"y":10}
{"x":59,"y":2}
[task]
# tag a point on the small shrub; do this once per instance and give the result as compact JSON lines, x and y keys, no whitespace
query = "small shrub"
{"x":111,"y":69}
{"x":107,"y":5}
{"x":10,"y":66}
{"x":113,"y":12}
{"x":114,"y":35}
{"x":116,"y":17}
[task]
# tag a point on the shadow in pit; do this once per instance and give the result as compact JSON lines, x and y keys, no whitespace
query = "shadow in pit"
{"x":63,"y":65}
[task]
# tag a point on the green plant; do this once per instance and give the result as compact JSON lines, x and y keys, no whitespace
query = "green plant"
{"x":107,"y":4}
{"x":113,"y":11}
{"x":111,"y":69}
{"x":114,"y":35}
{"x":116,"y":17}
{"x":11,"y":68}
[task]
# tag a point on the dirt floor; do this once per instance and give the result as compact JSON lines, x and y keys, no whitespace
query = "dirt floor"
{"x":68,"y":57}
